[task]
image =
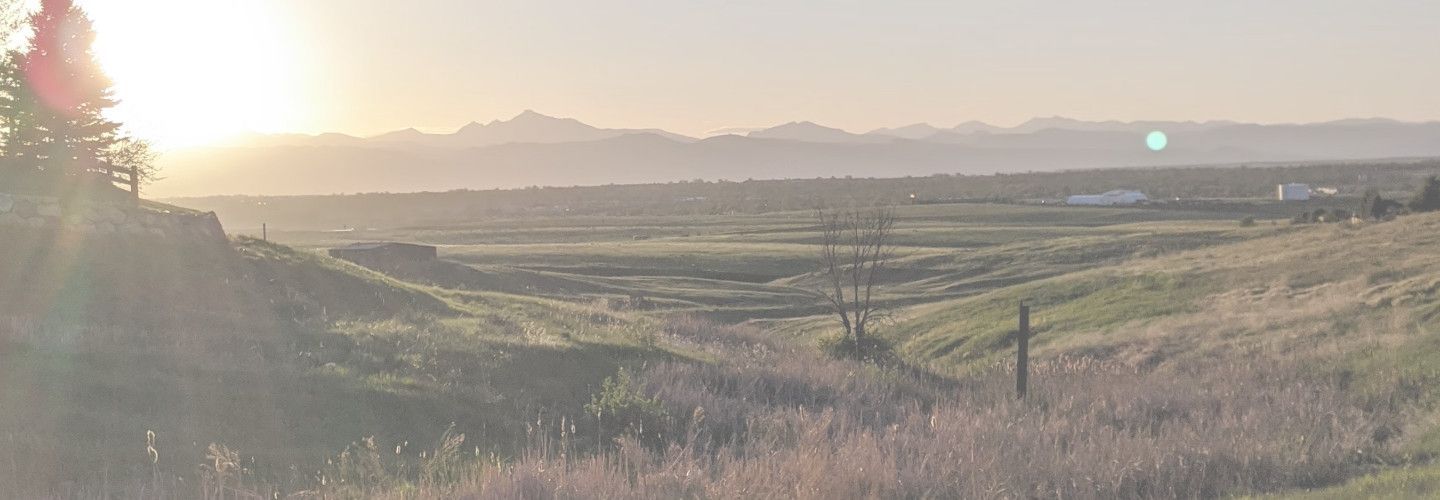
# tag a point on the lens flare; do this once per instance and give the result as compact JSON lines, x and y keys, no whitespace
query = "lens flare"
{"x":1156,"y":140}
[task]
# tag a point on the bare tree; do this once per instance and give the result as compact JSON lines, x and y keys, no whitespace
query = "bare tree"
{"x":132,"y":163}
{"x":854,"y":252}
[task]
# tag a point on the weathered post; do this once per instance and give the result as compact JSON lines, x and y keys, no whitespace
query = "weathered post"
{"x":1022,"y":357}
{"x":135,"y":183}
{"x":264,"y":232}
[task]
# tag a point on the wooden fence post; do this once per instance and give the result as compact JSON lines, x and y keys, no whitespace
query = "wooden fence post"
{"x":135,"y":183}
{"x":1022,"y":357}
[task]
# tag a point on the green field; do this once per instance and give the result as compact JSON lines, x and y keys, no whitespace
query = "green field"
{"x":1158,"y":290}
{"x":1202,"y":332}
{"x":756,"y":266}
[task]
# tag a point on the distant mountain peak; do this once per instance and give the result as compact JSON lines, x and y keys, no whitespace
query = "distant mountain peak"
{"x":1050,"y":121}
{"x":565,"y":152}
{"x":1362,"y":121}
{"x":407,"y":134}
{"x":975,"y":126}
{"x":1060,"y":122}
{"x":808,"y":131}
{"x":913,"y":131}
{"x":529,"y":126}
{"x":805,"y":124}
{"x":532,"y":116}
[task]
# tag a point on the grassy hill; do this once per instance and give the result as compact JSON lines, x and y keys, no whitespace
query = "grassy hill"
{"x":283,"y":356}
{"x":1351,"y":309}
{"x":1173,"y":353}
{"x":1348,"y":286}
{"x":1294,"y":361}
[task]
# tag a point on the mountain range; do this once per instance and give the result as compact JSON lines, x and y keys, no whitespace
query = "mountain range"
{"x":535,"y":149}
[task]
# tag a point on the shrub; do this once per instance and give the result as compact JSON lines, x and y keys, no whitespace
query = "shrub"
{"x":621,"y":407}
{"x":868,"y":348}
{"x":1375,"y":206}
{"x":1428,"y":198}
{"x":1248,"y":221}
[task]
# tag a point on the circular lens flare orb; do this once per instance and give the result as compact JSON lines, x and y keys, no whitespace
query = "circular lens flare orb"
{"x":1156,"y":140}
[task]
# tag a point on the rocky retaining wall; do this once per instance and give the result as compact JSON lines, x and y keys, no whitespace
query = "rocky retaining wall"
{"x":101,"y":218}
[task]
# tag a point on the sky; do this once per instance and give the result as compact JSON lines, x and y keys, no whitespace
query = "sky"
{"x":192,"y":71}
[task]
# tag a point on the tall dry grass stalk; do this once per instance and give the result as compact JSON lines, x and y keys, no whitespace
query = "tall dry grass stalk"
{"x":771,"y":420}
{"x":783,"y":423}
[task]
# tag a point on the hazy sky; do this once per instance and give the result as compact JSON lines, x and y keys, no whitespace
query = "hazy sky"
{"x":367,"y":66}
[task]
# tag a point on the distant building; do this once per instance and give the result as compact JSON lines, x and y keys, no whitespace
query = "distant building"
{"x":384,"y":254}
{"x":1292,"y":192}
{"x":1116,"y":197}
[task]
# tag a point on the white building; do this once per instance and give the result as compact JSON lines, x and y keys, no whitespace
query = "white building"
{"x":1116,"y":197}
{"x":1292,"y":192}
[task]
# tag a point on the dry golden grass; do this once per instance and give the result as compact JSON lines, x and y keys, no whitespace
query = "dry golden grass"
{"x":1293,"y":362}
{"x":770,"y":420}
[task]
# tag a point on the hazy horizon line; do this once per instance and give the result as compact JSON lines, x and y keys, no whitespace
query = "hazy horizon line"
{"x":742,"y":129}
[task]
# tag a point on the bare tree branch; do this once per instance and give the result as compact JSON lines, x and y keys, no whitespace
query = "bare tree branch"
{"x":855,"y":249}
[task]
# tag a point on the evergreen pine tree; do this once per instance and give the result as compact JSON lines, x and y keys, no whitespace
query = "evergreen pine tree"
{"x":57,"y":97}
{"x":1428,"y":199}
{"x":1373,"y":206}
{"x":13,"y":117}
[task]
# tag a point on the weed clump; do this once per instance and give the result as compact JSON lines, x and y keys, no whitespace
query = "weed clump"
{"x":868,"y":348}
{"x":622,"y":407}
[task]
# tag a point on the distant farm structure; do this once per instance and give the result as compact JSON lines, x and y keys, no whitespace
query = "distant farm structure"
{"x":385,"y":254}
{"x":1108,"y":198}
{"x":1292,"y":192}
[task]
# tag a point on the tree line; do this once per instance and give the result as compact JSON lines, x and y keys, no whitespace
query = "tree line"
{"x":1375,"y":206}
{"x":55,"y":138}
{"x":697,"y":197}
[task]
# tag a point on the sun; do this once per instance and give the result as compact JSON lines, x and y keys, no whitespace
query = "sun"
{"x":192,"y":72}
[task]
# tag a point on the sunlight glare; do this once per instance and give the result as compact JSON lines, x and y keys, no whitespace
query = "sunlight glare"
{"x":191,"y":72}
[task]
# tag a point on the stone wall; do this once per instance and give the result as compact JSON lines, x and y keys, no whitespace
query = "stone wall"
{"x":103,"y":218}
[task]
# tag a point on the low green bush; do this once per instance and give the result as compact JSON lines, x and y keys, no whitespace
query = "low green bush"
{"x":868,"y":348}
{"x":621,"y":407}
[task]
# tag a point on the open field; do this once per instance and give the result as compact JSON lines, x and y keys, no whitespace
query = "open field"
{"x":1199,"y":350}
{"x":746,"y":267}
{"x":1326,"y":310}
{"x":1159,"y":291}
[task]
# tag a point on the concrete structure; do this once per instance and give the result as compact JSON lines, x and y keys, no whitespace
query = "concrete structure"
{"x":97,"y":219}
{"x":384,"y":254}
{"x":1292,"y":192}
{"x":1116,"y":197}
